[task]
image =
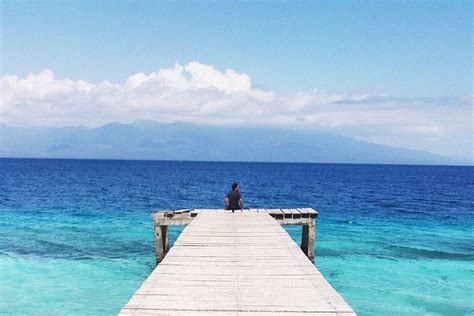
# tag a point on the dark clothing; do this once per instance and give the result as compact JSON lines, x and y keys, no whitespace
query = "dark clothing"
{"x":234,"y":197}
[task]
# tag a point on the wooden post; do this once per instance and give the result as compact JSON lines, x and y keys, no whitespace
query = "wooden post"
{"x":307,"y":240}
{"x":161,"y":241}
{"x":164,"y":232}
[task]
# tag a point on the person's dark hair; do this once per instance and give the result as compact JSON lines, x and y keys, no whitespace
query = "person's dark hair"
{"x":234,"y":186}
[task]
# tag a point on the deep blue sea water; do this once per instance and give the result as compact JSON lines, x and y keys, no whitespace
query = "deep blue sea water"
{"x":76,"y":236}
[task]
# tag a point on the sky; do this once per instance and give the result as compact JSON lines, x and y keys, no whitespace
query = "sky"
{"x":391,"y":72}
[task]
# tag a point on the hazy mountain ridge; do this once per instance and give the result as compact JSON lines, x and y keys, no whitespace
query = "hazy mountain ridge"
{"x":181,"y":141}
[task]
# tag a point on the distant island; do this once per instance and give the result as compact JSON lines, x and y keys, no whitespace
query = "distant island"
{"x":150,"y":140}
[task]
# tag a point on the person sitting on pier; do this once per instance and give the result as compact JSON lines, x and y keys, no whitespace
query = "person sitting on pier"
{"x":233,"y":200}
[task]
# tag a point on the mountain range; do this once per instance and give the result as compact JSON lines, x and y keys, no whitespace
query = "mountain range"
{"x":150,"y":140}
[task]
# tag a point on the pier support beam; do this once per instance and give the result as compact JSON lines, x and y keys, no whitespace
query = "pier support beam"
{"x":161,"y":241}
{"x":307,"y":239}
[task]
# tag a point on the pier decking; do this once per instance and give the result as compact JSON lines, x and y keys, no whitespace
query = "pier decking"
{"x":241,"y":263}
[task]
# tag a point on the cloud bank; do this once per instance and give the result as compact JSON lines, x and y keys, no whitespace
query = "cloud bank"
{"x":200,"y":93}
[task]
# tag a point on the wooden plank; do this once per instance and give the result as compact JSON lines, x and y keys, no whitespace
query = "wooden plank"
{"x":295,"y":213}
{"x":183,"y":211}
{"x":275,"y":213}
{"x":287,"y":213}
{"x":241,"y":263}
{"x":195,"y":212}
{"x":308,"y":212}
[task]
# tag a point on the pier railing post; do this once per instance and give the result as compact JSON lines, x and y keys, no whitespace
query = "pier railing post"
{"x":161,"y":241}
{"x":307,"y":239}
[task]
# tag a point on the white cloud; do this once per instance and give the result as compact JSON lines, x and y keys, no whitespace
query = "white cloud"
{"x":200,"y":93}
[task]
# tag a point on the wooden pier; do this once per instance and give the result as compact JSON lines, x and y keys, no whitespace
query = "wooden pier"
{"x":241,"y":263}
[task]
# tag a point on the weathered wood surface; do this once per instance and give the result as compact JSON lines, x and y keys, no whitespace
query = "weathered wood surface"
{"x":179,"y":216}
{"x":298,"y":216}
{"x":241,"y":263}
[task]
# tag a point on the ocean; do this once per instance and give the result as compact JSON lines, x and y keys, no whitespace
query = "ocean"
{"x":76,"y":236}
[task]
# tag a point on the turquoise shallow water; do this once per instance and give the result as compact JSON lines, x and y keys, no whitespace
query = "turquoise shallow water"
{"x":76,"y":236}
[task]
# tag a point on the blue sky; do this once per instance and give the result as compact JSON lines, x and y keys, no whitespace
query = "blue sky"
{"x":397,"y":48}
{"x":391,"y":72}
